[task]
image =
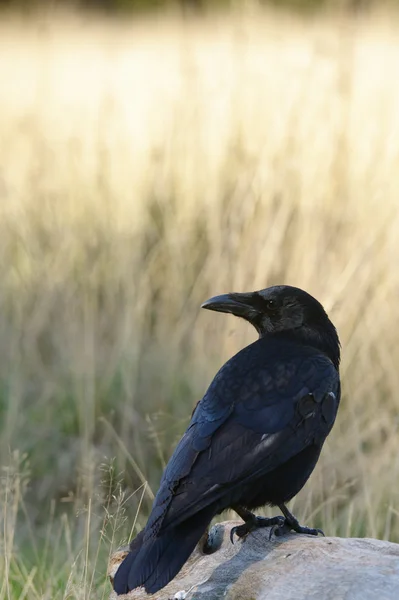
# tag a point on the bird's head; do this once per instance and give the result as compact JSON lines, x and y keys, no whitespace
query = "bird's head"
{"x":282,"y":309}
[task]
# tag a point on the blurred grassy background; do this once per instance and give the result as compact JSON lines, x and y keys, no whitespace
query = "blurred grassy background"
{"x":145,"y":165}
{"x":196,"y":6}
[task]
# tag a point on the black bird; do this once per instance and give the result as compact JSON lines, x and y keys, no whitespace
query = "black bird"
{"x":254,"y":438}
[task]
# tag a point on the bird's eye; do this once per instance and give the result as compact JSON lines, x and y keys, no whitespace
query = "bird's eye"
{"x":271,"y":304}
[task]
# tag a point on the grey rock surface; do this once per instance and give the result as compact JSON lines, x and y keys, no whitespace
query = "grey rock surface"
{"x":293,"y":567}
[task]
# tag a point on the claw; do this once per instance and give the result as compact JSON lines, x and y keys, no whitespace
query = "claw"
{"x":240,"y":531}
{"x":271,"y":532}
{"x":232,"y":532}
{"x":279,"y":529}
{"x":307,"y":530}
{"x":310,"y":531}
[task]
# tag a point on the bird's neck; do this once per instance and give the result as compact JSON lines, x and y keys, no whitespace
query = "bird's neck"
{"x":324,"y":339}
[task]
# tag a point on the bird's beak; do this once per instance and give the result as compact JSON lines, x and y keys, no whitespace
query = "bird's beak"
{"x":241,"y":305}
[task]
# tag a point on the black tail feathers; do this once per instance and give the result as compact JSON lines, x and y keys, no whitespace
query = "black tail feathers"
{"x":153,"y":564}
{"x":122,"y":574}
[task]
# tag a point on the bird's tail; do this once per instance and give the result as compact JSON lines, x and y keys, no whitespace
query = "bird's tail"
{"x":155,"y":562}
{"x":122,"y":574}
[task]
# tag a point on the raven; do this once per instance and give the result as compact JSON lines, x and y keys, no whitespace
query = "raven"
{"x":253,"y":439}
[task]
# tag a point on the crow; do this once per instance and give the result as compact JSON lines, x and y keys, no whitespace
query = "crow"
{"x":253,"y":439}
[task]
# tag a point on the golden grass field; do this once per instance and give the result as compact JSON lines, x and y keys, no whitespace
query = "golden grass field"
{"x":144,"y":166}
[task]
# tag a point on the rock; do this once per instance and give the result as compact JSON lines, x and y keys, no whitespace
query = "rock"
{"x":292,"y":567}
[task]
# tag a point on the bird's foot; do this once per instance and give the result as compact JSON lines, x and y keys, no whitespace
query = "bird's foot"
{"x":292,"y":524}
{"x":255,"y":523}
{"x":280,"y":530}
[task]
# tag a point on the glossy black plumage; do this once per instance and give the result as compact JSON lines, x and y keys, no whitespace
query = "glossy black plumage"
{"x":253,"y":439}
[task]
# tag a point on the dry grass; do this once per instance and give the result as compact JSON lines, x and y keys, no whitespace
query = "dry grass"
{"x":144,"y":167}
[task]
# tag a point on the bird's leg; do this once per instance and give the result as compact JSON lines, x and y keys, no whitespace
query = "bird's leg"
{"x":291,"y":523}
{"x":253,"y":522}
